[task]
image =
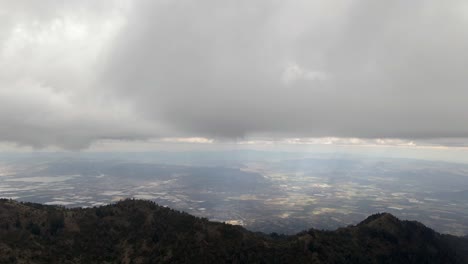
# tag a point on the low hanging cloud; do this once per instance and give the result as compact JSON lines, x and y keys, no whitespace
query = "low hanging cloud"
{"x":294,"y":73}
{"x":71,"y":75}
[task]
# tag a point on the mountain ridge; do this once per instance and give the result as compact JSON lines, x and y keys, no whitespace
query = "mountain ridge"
{"x":138,"y":231}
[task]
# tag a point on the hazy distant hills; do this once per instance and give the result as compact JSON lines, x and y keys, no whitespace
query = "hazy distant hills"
{"x":136,"y":231}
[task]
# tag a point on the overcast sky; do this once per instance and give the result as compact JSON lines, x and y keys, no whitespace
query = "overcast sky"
{"x":74,"y":73}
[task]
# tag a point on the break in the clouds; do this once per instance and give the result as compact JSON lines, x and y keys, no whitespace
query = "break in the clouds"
{"x":72,"y":73}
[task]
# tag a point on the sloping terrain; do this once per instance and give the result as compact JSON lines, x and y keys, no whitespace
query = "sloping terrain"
{"x":136,"y":231}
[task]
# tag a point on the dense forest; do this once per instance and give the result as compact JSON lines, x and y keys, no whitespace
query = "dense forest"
{"x":136,"y":231}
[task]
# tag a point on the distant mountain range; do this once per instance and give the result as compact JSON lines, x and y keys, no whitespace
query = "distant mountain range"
{"x":137,"y":231}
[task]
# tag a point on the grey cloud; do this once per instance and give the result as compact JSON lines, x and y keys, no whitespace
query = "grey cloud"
{"x":48,"y":62}
{"x":234,"y":69}
{"x":40,"y":117}
{"x":211,"y":68}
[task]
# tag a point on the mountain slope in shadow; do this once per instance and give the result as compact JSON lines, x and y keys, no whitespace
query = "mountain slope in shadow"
{"x":136,"y":231}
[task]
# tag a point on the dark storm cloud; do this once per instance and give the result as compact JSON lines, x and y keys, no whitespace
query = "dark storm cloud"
{"x":217,"y":68}
{"x":70,"y":75}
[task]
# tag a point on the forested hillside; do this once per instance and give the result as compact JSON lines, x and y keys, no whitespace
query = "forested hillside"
{"x":136,"y":231}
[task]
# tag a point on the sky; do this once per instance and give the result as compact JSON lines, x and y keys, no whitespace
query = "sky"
{"x":80,"y":75}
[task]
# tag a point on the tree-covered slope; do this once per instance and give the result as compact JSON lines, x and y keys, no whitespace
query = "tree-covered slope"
{"x":135,"y":231}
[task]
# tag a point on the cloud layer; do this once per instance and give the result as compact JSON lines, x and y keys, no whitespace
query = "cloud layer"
{"x":71,"y":75}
